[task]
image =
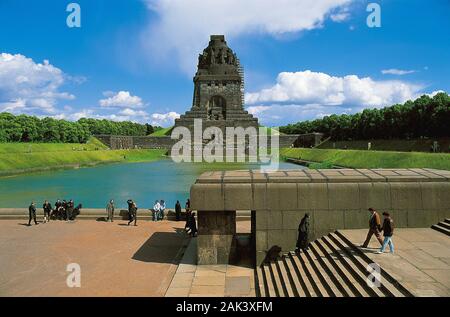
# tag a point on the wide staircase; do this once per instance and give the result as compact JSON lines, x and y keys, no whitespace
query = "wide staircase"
{"x":443,"y":227}
{"x":332,"y":267}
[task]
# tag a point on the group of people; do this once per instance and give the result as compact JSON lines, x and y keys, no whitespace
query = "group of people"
{"x":63,"y":210}
{"x":158,"y":210}
{"x":375,"y":228}
{"x":158,"y":213}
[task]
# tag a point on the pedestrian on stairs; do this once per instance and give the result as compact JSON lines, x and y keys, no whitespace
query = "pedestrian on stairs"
{"x":303,"y":233}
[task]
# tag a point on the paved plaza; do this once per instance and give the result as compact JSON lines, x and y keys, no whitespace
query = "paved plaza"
{"x":421,"y":261}
{"x":115,"y":260}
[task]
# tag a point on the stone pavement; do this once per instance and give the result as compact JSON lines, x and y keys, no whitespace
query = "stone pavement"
{"x":115,"y":260}
{"x":191,"y":280}
{"x":421,"y":261}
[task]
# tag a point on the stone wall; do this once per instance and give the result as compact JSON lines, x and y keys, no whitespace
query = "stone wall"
{"x":165,"y":142}
{"x":140,"y":142}
{"x":335,"y":199}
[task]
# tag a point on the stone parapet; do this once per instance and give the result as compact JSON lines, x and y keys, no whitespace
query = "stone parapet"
{"x":335,"y":199}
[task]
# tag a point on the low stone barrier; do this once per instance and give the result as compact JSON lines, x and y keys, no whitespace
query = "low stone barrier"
{"x":335,"y":199}
{"x":90,"y":214}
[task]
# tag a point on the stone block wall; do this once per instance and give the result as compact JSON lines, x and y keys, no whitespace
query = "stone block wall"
{"x":217,"y":232}
{"x":335,"y":199}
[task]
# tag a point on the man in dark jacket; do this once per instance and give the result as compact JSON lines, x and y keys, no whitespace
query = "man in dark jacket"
{"x":57,"y":210}
{"x":69,"y":212}
{"x":374,"y":228}
{"x":133,"y":213}
{"x":178,"y":211}
{"x":47,"y":211}
{"x":388,"y":232}
{"x":192,"y":225}
{"x":32,"y":214}
{"x":303,"y":232}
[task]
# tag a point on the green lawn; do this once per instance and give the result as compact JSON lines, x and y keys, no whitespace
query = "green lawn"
{"x":22,"y":157}
{"x":371,"y":159}
{"x":91,"y":145}
{"x":162,"y":132}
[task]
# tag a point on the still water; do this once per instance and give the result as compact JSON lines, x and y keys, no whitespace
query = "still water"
{"x":93,"y":187}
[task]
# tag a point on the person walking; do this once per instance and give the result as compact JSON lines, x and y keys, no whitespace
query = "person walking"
{"x":32,"y":214}
{"x":56,"y":211}
{"x":177,"y":211}
{"x":303,"y":233}
{"x":110,"y":211}
{"x":162,"y":208}
{"x":187,"y":215}
{"x":192,"y":225}
{"x":156,"y":208}
{"x":70,"y":207}
{"x":388,"y":232}
{"x":133,"y":214}
{"x":47,"y":211}
{"x":374,"y":228}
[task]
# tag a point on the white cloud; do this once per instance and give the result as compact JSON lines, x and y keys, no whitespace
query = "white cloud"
{"x":183,"y":27}
{"x":340,"y":16}
{"x":395,"y":71}
{"x":309,"y":87}
{"x":122,"y":99}
{"x":164,"y":119}
{"x":434,"y":93}
{"x":27,"y":86}
{"x":278,"y":115}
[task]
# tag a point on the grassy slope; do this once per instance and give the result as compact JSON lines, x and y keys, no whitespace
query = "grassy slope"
{"x":162,"y":132}
{"x":91,"y":145}
{"x":17,"y":157}
{"x":372,"y":159}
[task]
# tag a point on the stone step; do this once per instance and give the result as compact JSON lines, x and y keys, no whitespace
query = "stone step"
{"x":338,"y":285}
{"x":293,"y":282}
{"x":385,"y":288}
{"x":260,"y":285}
{"x":283,"y":279}
{"x":444,"y":224}
{"x":296,"y":276}
{"x":316,"y":285}
{"x":441,"y":229}
{"x":324,"y":279}
{"x":302,"y":276}
{"x":359,"y":267}
{"x":350,"y":267}
{"x":277,"y":283}
{"x":342,"y":268}
{"x":331,"y":267}
{"x":270,"y":290}
{"x":396,"y":287}
{"x":447,"y":220}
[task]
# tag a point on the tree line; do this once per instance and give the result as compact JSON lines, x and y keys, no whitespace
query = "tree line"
{"x":23,"y":128}
{"x":423,"y":117}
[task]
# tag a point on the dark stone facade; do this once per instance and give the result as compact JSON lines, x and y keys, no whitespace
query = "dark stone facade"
{"x":218,"y":90}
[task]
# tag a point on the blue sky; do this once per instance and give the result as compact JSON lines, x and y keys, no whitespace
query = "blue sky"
{"x":135,"y":59}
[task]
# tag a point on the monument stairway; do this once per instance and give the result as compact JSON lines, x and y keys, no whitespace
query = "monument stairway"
{"x":443,"y":226}
{"x":331,"y":267}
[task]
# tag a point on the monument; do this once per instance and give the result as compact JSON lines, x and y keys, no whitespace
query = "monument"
{"x":218,"y":90}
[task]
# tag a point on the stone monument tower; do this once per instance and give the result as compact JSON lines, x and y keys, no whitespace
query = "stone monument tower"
{"x":218,"y":90}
